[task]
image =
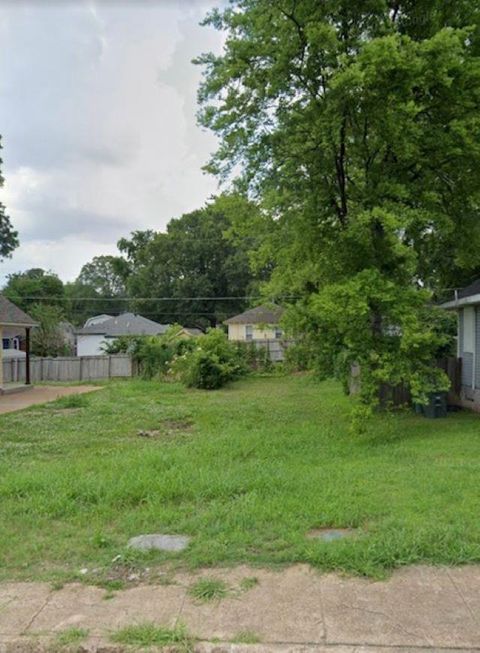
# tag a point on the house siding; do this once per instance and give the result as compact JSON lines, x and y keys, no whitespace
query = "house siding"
{"x":477,"y":347}
{"x":90,"y":345}
{"x":239,"y":332}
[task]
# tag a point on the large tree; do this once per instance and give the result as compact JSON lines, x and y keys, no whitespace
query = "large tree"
{"x":357,"y":125}
{"x":34,"y":286}
{"x":195,"y":272}
{"x":105,"y":274}
{"x":8,"y":235}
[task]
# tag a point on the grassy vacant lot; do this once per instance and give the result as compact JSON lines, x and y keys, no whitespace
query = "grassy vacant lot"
{"x":246,"y":471}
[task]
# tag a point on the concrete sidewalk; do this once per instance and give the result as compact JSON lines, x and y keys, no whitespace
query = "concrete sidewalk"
{"x":297,"y":609}
{"x":40,"y":394}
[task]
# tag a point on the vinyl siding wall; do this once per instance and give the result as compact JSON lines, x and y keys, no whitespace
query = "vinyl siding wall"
{"x":469,"y":345}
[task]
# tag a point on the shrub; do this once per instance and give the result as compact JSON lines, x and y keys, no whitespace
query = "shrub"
{"x":211,"y":363}
{"x":153,"y":354}
{"x":257,"y":358}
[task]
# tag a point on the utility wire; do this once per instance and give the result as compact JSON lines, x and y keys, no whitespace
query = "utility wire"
{"x":150,"y":299}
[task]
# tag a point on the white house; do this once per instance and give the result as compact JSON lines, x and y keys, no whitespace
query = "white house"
{"x":103,"y":329}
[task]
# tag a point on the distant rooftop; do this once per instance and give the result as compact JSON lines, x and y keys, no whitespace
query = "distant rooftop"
{"x":11,"y":315}
{"x":126,"y":324}
{"x":264,"y":314}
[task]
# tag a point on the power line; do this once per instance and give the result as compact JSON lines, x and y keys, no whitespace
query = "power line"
{"x":151,"y":299}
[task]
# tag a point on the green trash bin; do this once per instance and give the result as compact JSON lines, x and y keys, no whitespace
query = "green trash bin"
{"x":437,"y":405}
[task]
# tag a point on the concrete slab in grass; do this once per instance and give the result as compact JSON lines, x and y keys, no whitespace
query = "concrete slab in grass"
{"x":159,"y":542}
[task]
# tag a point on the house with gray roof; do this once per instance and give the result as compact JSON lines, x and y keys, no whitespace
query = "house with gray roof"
{"x":13,"y":320}
{"x":259,"y":323}
{"x":96,"y":333}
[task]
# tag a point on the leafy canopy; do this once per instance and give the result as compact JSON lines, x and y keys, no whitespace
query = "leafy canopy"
{"x":195,"y":258}
{"x":356,"y":126}
{"x":8,"y":235}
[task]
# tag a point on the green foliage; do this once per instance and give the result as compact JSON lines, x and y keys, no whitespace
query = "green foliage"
{"x":357,"y":128}
{"x":248,"y":583}
{"x":8,"y":235}
{"x":212,"y":363}
{"x":153,"y":354}
{"x":402,"y":347}
{"x":71,"y":636}
{"x":105,"y":274}
{"x":69,"y":401}
{"x":34,"y":286}
{"x":81,"y":302}
{"x":196,"y":257}
{"x":209,"y":589}
{"x":246,"y":637}
{"x":149,"y":634}
{"x":48,"y":338}
{"x":256,"y":358}
{"x":270,"y":459}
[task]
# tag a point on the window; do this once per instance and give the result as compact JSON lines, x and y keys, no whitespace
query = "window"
{"x":278,"y":332}
{"x":469,"y":330}
{"x":248,"y":332}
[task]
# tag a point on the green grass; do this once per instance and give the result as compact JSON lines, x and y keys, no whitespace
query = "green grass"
{"x":149,"y":634}
{"x":267,"y":460}
{"x":71,"y":636}
{"x":248,"y":583}
{"x":70,"y":401}
{"x":246,"y":637}
{"x":209,"y":589}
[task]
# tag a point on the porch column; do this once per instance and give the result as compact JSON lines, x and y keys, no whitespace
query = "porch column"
{"x":27,"y":355}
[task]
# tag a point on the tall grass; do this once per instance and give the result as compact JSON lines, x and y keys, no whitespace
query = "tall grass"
{"x":268,"y":460}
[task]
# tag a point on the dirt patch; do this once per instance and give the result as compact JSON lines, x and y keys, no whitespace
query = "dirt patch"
{"x":168,"y":427}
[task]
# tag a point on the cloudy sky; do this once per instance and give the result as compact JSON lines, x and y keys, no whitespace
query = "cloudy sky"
{"x":97,"y":115}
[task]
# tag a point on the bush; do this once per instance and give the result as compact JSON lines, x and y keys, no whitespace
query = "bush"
{"x":211,"y":364}
{"x":153,"y":354}
{"x":257,"y":358}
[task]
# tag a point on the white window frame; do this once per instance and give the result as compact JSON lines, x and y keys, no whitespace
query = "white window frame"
{"x":248,"y":332}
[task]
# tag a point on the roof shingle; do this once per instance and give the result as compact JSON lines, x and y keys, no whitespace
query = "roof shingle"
{"x":259,"y":315}
{"x":12,"y":315}
{"x":127,"y":324}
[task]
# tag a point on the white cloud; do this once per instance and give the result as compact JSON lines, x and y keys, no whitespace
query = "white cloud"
{"x":97,"y":114}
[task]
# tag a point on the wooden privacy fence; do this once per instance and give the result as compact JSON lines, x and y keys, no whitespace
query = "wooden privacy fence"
{"x":68,"y":368}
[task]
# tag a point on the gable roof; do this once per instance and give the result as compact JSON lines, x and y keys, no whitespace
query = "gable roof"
{"x":126,"y":324}
{"x":264,"y":314}
{"x":11,"y":315}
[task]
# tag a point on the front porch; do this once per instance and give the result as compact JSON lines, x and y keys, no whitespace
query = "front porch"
{"x":13,"y":323}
